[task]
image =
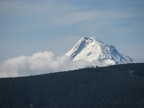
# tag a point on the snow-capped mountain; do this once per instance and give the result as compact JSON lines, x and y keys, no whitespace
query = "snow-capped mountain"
{"x":95,"y":51}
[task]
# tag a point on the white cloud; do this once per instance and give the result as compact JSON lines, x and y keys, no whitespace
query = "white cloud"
{"x":38,"y":63}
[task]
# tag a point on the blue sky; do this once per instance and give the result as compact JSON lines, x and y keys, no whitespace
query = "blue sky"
{"x":29,"y":26}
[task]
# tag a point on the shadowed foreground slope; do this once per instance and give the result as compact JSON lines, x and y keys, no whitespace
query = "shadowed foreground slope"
{"x":119,"y":86}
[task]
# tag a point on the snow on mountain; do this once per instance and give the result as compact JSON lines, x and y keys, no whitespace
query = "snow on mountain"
{"x":95,"y":51}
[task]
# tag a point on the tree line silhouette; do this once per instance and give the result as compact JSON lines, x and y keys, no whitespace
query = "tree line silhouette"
{"x":118,"y":86}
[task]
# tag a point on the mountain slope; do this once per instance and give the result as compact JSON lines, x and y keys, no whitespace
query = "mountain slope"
{"x":92,"y":50}
{"x":118,"y":86}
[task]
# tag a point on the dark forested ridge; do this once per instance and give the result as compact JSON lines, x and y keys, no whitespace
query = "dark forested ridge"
{"x":119,"y":86}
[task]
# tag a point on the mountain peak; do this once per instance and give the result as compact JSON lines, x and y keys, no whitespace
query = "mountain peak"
{"x":88,"y":38}
{"x":91,"y":39}
{"x":93,"y":50}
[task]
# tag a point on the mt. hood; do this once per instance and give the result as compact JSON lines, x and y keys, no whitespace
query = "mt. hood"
{"x":95,"y":51}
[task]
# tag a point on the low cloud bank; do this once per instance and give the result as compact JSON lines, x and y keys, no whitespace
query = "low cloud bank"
{"x":39,"y":63}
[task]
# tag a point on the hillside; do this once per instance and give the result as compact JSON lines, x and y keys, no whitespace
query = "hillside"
{"x":118,"y":86}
